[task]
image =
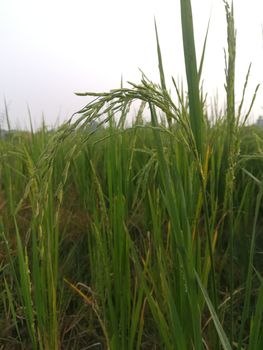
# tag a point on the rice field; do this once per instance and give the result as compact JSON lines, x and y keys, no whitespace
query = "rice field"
{"x":145,"y":235}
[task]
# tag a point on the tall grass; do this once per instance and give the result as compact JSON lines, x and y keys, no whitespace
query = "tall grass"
{"x":136,"y":237}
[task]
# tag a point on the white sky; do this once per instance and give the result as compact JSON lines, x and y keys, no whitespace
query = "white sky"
{"x":52,"y":48}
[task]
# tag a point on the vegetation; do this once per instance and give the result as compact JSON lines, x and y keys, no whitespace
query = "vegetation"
{"x":139,"y":237}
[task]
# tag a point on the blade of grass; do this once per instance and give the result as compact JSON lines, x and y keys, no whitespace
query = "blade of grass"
{"x":255,"y":342}
{"x":195,"y":110}
{"x":221,"y":333}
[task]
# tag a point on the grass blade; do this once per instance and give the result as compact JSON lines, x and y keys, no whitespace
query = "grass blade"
{"x":221,"y":333}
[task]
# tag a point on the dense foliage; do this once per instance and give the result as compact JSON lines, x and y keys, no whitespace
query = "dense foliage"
{"x":146,"y":236}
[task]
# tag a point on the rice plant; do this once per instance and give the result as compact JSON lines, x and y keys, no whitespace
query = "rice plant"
{"x":136,"y":237}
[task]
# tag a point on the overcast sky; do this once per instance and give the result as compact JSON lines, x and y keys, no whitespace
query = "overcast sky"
{"x":53,"y":48}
